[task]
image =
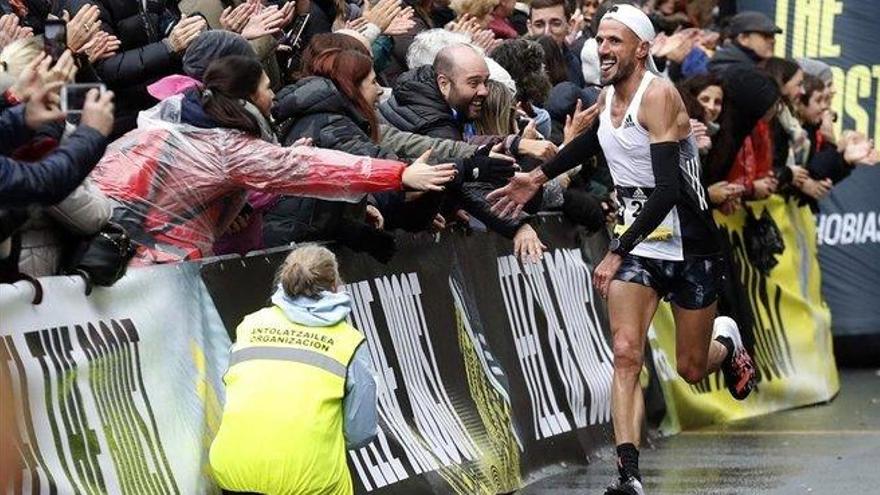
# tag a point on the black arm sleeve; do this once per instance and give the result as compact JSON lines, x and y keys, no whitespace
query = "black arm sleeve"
{"x":664,"y":161}
{"x":578,"y":151}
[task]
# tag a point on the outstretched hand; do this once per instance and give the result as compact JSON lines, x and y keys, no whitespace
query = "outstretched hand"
{"x":508,"y":201}
{"x":579,"y":121}
{"x":423,"y":177}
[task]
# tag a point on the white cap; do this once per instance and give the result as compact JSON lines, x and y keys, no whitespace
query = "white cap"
{"x":638,"y":22}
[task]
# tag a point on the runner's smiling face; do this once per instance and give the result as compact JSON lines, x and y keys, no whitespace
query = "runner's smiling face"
{"x":619,"y":51}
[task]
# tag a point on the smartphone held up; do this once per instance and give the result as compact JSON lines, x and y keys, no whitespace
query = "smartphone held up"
{"x":55,"y":38}
{"x":73,"y":96}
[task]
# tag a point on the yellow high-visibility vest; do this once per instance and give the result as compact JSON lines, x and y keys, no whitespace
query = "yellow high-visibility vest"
{"x":282,"y":429}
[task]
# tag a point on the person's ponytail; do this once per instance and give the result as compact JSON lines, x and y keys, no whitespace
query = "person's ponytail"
{"x":228,"y":83}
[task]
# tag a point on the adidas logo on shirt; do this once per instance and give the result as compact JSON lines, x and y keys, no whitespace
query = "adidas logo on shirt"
{"x":628,"y":122}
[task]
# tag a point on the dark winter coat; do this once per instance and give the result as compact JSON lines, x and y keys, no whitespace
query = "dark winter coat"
{"x":142,"y":59}
{"x":51,"y":179}
{"x":416,"y":105}
{"x":732,"y":54}
{"x":315,"y":108}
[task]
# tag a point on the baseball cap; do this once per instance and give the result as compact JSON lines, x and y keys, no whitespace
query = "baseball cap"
{"x":750,"y":21}
{"x":638,"y":22}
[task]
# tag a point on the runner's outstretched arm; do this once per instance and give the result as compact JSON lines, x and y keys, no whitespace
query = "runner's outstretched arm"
{"x":578,"y":151}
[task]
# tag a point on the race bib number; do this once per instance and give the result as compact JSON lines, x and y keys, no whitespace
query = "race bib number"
{"x":629,"y":209}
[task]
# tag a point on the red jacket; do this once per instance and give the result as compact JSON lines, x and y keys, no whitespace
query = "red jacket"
{"x":754,"y":160}
{"x":182,"y":185}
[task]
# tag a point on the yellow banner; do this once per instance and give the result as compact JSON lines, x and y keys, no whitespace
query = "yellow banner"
{"x":774,"y":252}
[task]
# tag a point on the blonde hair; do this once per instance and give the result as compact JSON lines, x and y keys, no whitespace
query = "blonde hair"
{"x":479,"y":9}
{"x":15,"y":57}
{"x":499,"y":110}
{"x":308,"y":271}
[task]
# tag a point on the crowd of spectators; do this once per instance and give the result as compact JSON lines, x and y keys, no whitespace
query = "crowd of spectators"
{"x":228,"y":127}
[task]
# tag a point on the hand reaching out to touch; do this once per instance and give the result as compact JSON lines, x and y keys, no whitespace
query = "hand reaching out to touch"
{"x":579,"y":121}
{"x":64,"y":70}
{"x":677,"y":46}
{"x":508,"y":201}
{"x":538,"y":149}
{"x":423,"y":177}
{"x":485,"y":39}
{"x":43,"y":106}
{"x":11,"y":30}
{"x":465,"y":24}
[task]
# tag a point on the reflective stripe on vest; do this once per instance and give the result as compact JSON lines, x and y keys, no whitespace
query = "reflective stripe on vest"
{"x":302,"y":356}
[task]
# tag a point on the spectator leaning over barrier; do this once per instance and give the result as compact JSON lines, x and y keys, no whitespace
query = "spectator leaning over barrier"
{"x":299,"y":389}
{"x":750,"y":97}
{"x":335,"y":107}
{"x":406,"y":145}
{"x":180,"y":179}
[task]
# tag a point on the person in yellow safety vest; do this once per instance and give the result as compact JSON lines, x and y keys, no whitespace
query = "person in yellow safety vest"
{"x":299,"y":389}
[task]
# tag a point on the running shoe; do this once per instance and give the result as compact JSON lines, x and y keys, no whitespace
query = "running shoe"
{"x":738,"y":368}
{"x":629,"y":486}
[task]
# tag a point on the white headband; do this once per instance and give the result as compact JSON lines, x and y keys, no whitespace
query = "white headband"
{"x":638,"y":22}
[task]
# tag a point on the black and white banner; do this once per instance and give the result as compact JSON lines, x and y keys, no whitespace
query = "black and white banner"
{"x":118,"y":392}
{"x":489,"y":369}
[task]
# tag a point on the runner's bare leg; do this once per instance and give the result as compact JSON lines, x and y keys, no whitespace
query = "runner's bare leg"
{"x":696,"y":354}
{"x":631,"y":308}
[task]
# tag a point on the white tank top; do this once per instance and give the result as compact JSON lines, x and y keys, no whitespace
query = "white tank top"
{"x":627,"y":150}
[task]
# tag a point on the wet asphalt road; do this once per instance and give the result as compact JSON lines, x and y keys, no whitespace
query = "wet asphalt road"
{"x":827,"y":449}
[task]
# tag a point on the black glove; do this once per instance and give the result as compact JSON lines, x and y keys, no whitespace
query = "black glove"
{"x":483,"y":168}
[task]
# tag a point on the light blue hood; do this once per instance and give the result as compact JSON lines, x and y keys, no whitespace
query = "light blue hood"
{"x":328,"y":309}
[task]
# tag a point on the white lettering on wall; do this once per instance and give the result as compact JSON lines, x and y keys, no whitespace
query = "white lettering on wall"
{"x":848,"y":228}
{"x":581,"y":355}
{"x":439,"y":437}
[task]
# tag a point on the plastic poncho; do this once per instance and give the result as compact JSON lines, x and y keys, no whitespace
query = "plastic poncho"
{"x":179,"y":186}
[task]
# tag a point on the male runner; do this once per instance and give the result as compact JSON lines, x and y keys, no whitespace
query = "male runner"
{"x":664,"y":244}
